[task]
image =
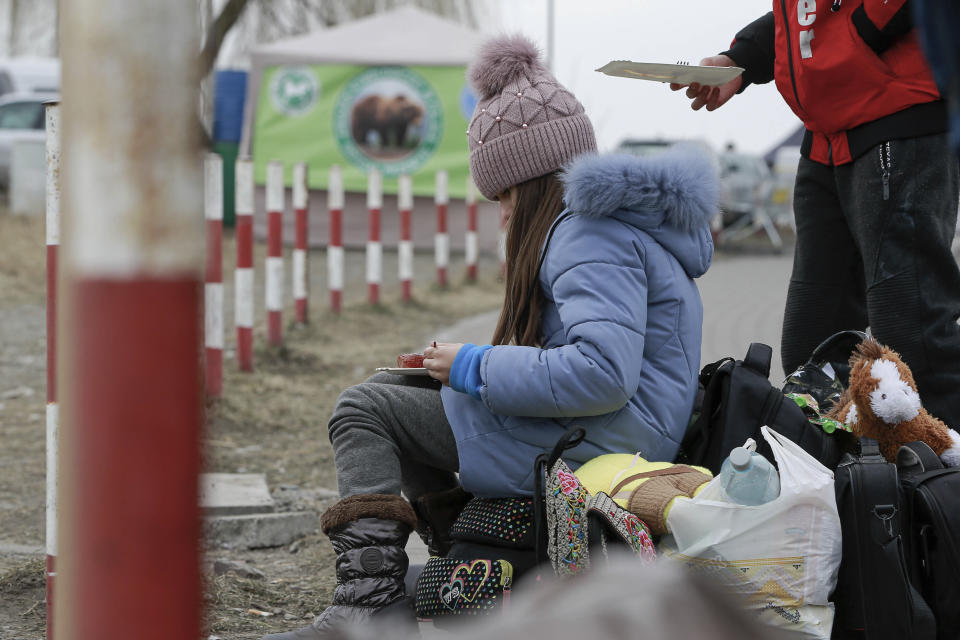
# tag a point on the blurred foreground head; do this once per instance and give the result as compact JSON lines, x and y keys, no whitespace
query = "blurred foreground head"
{"x":618,"y":600}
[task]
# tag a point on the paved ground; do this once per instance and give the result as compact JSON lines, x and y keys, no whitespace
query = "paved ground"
{"x":743,"y":301}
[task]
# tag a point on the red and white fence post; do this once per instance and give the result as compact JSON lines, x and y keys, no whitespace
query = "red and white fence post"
{"x":441,"y":243}
{"x":131,"y":381}
{"x":243,"y":276}
{"x":274,"y":265}
{"x":374,"y":247}
{"x":470,"y":240}
{"x":335,"y":266}
{"x":301,"y":269}
{"x":405,"y":246}
{"x":213,"y":284}
{"x":53,"y":242}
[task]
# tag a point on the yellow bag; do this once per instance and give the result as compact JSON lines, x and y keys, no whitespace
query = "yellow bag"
{"x":646,"y":489}
{"x":607,"y":472}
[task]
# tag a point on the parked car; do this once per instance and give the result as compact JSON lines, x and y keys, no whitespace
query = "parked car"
{"x":29,"y":75}
{"x":646,"y":147}
{"x":21,"y":117}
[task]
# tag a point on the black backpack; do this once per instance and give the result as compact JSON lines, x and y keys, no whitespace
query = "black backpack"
{"x":874,"y":598}
{"x":738,"y":399}
{"x":931,"y":500}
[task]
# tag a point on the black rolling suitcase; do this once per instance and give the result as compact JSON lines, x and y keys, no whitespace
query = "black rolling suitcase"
{"x":874,"y":598}
{"x":931,"y":497}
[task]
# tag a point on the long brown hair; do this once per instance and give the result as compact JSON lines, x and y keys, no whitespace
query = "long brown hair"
{"x":538,"y":203}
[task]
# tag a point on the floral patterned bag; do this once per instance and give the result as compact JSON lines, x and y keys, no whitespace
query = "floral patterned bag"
{"x":579,"y":524}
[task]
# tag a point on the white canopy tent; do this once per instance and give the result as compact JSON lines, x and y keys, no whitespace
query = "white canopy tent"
{"x":406,"y":36}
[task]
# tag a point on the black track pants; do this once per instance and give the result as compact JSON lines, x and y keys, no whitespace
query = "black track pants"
{"x":873,"y":249}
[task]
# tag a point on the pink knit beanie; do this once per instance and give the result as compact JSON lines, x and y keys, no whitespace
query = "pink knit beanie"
{"x":526,"y":124}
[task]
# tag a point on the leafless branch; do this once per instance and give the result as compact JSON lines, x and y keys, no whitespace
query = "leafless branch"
{"x":217,"y":32}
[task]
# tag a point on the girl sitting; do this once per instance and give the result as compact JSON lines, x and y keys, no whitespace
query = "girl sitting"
{"x":601,"y":325}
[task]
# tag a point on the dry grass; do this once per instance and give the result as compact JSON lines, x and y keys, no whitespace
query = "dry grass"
{"x":274,"y":422}
{"x":23,"y":612}
{"x":22,"y":258}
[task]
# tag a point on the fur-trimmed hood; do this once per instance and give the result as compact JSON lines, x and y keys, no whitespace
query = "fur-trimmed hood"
{"x":671,"y":195}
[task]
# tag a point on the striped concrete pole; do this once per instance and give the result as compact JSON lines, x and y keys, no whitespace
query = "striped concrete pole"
{"x":243,"y":276}
{"x":300,"y":267}
{"x":335,"y":266}
{"x":274,"y":266}
{"x":441,"y":243}
{"x":53,"y":242}
{"x":405,"y":246}
{"x":213,"y":283}
{"x":130,"y":376}
{"x":374,"y":248}
{"x":470,"y":241}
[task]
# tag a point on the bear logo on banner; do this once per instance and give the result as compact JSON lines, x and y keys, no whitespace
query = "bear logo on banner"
{"x":388,"y":118}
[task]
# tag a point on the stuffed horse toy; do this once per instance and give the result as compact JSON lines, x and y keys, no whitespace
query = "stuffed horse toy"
{"x":882,"y":402}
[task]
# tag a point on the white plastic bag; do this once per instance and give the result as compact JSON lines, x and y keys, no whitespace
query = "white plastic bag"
{"x":782,"y":556}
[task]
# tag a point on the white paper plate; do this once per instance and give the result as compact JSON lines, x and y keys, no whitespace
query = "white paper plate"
{"x":679,"y":73}
{"x":404,"y":371}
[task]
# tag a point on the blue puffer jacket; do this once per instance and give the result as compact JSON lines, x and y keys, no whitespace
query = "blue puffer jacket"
{"x":621,"y":326}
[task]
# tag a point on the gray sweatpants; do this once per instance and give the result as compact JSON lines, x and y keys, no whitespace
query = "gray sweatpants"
{"x":390,"y":433}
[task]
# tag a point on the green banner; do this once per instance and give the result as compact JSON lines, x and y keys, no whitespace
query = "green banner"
{"x":401,"y":120}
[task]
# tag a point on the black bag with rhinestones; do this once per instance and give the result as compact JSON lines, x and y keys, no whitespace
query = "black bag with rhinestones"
{"x":492,"y":542}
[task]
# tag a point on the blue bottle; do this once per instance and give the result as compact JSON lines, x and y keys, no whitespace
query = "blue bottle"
{"x":748,"y":478}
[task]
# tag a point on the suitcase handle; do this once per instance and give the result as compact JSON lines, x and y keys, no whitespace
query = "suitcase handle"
{"x":918,"y":456}
{"x":870,"y":449}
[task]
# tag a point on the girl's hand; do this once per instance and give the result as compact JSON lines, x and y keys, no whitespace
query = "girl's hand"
{"x":438,"y":359}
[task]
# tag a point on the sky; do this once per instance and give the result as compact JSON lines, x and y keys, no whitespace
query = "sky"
{"x":590,"y":34}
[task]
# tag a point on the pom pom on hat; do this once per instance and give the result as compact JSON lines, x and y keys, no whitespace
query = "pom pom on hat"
{"x":502,"y":60}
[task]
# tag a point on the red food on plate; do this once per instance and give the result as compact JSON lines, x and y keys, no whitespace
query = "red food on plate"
{"x":410,"y":360}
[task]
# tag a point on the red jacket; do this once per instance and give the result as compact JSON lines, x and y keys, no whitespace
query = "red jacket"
{"x":852,"y":70}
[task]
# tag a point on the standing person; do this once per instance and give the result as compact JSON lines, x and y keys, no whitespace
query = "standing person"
{"x":877,"y":186}
{"x":939,"y":24}
{"x":605,"y":333}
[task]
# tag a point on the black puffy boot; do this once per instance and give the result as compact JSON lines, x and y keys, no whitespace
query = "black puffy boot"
{"x":369,"y":534}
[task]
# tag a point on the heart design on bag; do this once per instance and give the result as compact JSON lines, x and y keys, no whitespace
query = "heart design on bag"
{"x":450,"y":594}
{"x":471,"y":577}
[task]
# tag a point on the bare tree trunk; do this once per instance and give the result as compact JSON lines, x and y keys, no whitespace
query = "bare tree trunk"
{"x":14,"y":11}
{"x":215,"y":31}
{"x":218,"y":31}
{"x":56,"y":28}
{"x":269,"y":20}
{"x":206,"y":84}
